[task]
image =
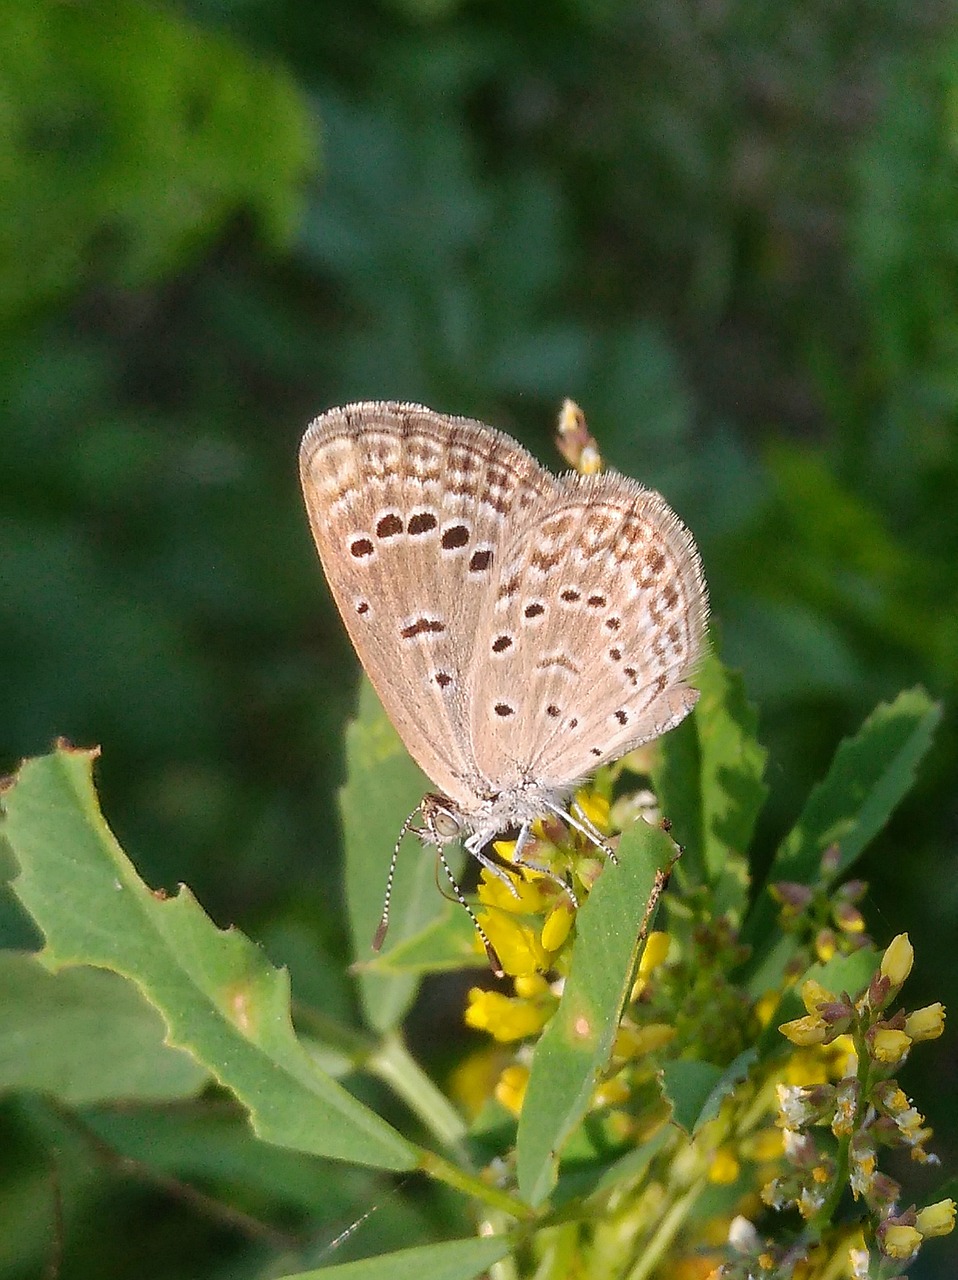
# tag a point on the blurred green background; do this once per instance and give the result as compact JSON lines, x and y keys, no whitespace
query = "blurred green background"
{"x":730,"y":231}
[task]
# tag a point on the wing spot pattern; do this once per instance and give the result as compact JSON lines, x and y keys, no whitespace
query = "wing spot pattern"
{"x":388,"y":526}
{"x":558,"y":660}
{"x":455,"y":537}
{"x":422,"y":626}
{"x":421,"y":522}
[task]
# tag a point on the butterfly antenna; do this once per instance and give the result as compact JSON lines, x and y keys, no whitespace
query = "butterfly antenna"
{"x":380,"y":937}
{"x":494,"y":961}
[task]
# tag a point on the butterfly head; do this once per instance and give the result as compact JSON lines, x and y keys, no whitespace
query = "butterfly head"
{"x":443,"y":822}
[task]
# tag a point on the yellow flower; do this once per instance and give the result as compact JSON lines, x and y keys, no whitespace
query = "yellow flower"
{"x":723,"y":1167}
{"x":611,"y":1092}
{"x":820,"y":1064}
{"x":503,"y":1017}
{"x":927,"y":1023}
{"x":814,"y":995}
{"x":655,"y":951}
{"x":825,"y":945}
{"x":763,"y":1145}
{"x":526,"y":897}
{"x":511,"y":1088}
{"x":473,"y":1080}
{"x":636,"y":1042}
{"x":516,"y":943}
{"x":842,"y":1060}
{"x":531,"y":986}
{"x":654,"y":954}
{"x":765,"y":1007}
{"x":889,"y":1046}
{"x":900,"y":1242}
{"x":805,"y":1031}
{"x":936,"y":1219}
{"x":558,"y":924}
{"x":897,"y":961}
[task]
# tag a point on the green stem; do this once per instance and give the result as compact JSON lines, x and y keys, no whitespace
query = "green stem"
{"x":823,"y":1218}
{"x":471,"y":1185}
{"x":666,"y":1232}
{"x":392,"y":1062}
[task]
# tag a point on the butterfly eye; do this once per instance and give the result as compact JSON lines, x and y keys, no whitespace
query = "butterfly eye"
{"x":445,"y":824}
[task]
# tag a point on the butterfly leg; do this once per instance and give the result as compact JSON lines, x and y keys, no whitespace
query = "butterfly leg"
{"x":581,"y":823}
{"x":539,"y":867}
{"x":474,"y":846}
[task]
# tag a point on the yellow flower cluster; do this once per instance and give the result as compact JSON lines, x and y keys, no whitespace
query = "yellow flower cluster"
{"x":865,"y":1109}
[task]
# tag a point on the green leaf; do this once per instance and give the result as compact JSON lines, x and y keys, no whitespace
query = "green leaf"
{"x":213,"y":1145}
{"x":220,"y":998}
{"x":85,"y":1036}
{"x":576,"y":1044}
{"x":696,"y":1089}
{"x":453,"y":1260}
{"x":383,"y":786}
{"x":709,"y":784}
{"x":869,"y":775}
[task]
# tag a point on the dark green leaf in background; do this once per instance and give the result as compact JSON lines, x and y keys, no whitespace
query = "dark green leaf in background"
{"x":710,"y":786}
{"x":85,"y":1035}
{"x":383,"y":786}
{"x":869,"y":776}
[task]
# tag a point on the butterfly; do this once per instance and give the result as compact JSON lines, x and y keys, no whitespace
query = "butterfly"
{"x":520,"y":628}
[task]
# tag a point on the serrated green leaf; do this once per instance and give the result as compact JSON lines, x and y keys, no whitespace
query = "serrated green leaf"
{"x":85,"y":1036}
{"x":220,"y":998}
{"x":576,"y":1044}
{"x":453,"y":1260}
{"x":869,"y":775}
{"x":382,"y":787}
{"x":696,"y":1089}
{"x":709,"y":784}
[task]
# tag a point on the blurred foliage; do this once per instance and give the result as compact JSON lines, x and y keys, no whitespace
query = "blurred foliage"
{"x":730,"y":232}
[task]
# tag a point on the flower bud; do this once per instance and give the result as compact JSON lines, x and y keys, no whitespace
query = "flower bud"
{"x":936,"y":1219}
{"x":897,"y":961}
{"x":927,"y":1023}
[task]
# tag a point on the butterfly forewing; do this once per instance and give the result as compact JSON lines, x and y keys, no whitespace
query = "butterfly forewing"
{"x":597,"y":620}
{"x":407,"y":509}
